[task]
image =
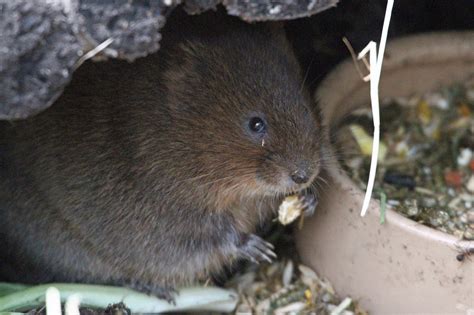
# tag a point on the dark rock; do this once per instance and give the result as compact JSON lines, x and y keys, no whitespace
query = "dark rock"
{"x":42,"y":42}
{"x":261,"y":10}
{"x":38,"y":50}
{"x":133,"y":25}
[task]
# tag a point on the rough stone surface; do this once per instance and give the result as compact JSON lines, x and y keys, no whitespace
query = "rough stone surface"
{"x":38,"y":50}
{"x":198,"y":6}
{"x":133,"y":25}
{"x":261,"y":10}
{"x":42,"y":42}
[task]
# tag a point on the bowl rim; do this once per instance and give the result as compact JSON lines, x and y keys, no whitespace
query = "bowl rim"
{"x":400,"y":58}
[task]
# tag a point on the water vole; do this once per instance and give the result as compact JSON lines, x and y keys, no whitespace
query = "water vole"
{"x":156,"y":174}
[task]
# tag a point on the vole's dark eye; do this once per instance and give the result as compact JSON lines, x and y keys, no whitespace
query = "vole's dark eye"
{"x":257,"y":125}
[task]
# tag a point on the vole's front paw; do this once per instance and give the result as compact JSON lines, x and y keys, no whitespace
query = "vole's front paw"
{"x":165,"y":293}
{"x":308,"y":202}
{"x":256,"y":249}
{"x":117,"y":309}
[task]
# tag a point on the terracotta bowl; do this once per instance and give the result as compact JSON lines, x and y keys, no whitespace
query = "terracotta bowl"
{"x":399,"y":267}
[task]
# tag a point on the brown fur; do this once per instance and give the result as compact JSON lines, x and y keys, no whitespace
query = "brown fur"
{"x":145,"y":173}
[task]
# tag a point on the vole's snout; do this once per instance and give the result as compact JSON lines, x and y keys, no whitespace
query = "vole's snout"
{"x":300,"y":176}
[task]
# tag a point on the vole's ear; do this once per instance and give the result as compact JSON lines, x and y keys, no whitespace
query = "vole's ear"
{"x":277,"y":30}
{"x":275,"y":25}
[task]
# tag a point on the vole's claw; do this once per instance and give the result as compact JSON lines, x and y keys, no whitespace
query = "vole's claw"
{"x":309,"y":203}
{"x":168,"y":294}
{"x":256,"y":249}
{"x":164,"y":293}
{"x":117,"y":309}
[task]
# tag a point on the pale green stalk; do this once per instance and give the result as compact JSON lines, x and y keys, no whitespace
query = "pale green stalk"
{"x":95,"y":296}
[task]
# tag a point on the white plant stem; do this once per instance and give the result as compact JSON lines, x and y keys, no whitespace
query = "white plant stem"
{"x":374,"y":77}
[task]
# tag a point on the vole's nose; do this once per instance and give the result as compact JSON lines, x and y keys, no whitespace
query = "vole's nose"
{"x":299,"y":176}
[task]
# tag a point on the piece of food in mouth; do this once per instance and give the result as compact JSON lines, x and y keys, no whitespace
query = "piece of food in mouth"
{"x":290,"y":209}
